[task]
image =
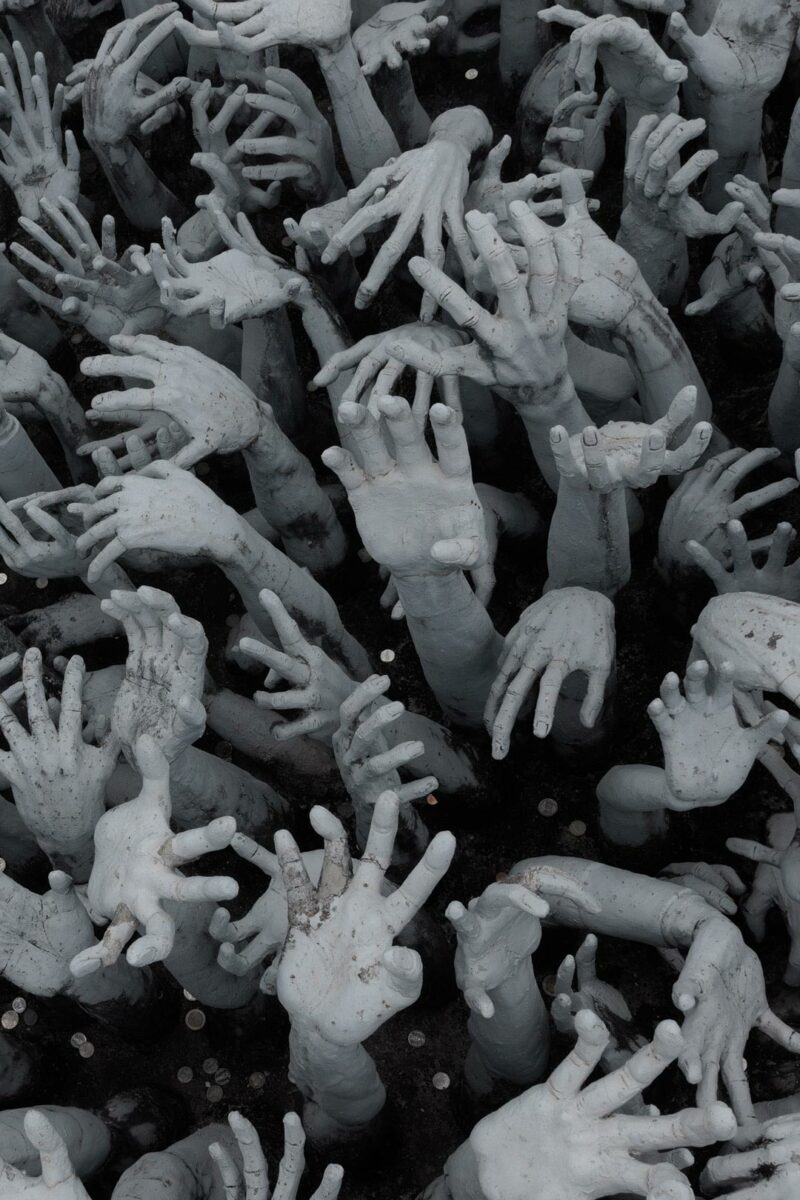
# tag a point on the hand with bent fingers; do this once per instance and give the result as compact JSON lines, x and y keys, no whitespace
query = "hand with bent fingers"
{"x":737,"y":570}
{"x":35,"y":543}
{"x":251,"y":1181}
{"x":397,"y":29}
{"x":58,"y":780}
{"x":221,"y":159}
{"x":629,"y":453}
{"x":633,"y":63}
{"x":597,"y":996}
{"x":318,"y":684}
{"x":498,"y":932}
{"x":708,"y":752}
{"x":164,"y":673}
{"x":425,"y":190}
{"x":75,"y":84}
{"x":705,"y":501}
{"x":415,"y":515}
{"x":253,"y":25}
{"x":160,"y":508}
{"x":571,"y":1139}
{"x":716,"y":883}
{"x":376,"y":371}
{"x":769,"y":1172}
{"x":266,"y":923}
{"x":243,"y":281}
{"x":135,"y":870}
{"x":113,"y":108}
{"x":568,"y":629}
{"x":304,"y":147}
{"x":736,"y":262}
{"x":776,"y":883}
{"x":58,"y":1180}
{"x":341,"y":975}
{"x":104,"y":291}
{"x":37,"y":162}
{"x":370,"y":764}
{"x":488,"y":194}
{"x":721,"y":991}
{"x":29,"y":388}
{"x":211,"y":404}
{"x":760,"y":635}
{"x":577,"y":133}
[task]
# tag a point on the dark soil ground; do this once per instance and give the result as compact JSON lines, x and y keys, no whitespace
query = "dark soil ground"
{"x":421,"y":1124}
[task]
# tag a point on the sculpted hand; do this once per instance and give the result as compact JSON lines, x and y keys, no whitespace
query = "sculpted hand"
{"x":251,"y":1181}
{"x":708,"y":753}
{"x":303,"y":149}
{"x":569,"y":1137}
{"x":568,"y":629}
{"x":135,"y":870}
{"x":629,"y":453}
{"x":424,"y":189}
{"x":318,"y":685}
{"x":597,"y":996}
{"x":339,"y":973}
{"x":721,"y":991}
{"x":222,"y":159}
{"x":58,"y":1180}
{"x":776,"y":883}
{"x":396,"y":30}
{"x":737,"y":570}
{"x":633,"y":63}
{"x":253,"y":25}
{"x":770,"y":1172}
{"x":705,"y":501}
{"x":59,"y":780}
{"x":164,"y":673}
{"x":414,"y":515}
{"x":39,"y":935}
{"x":104,"y":291}
{"x":715,"y":882}
{"x":113,"y":107}
{"x":243,"y":281}
{"x":37,"y":161}
{"x":35,"y":543}
{"x":211,"y":405}
{"x":160,"y":508}
{"x":758,"y":634}
{"x":577,"y":133}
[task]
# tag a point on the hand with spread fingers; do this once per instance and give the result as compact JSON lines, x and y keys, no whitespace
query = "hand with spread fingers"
{"x":340,"y":977}
{"x":135,"y":870}
{"x":737,"y":570}
{"x":38,"y":160}
{"x":253,"y":25}
{"x":708,"y":752}
{"x":104,"y":291}
{"x":251,"y":1180}
{"x":161,"y":695}
{"x":577,"y":133}
{"x":705,"y":501}
{"x":222,"y":159}
{"x":396,"y":30}
{"x":568,"y":629}
{"x":58,"y":779}
{"x":569,"y":1137}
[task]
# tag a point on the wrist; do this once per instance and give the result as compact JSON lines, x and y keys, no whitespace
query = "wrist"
{"x":543,"y":404}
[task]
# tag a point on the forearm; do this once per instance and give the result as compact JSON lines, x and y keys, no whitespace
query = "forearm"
{"x":787,"y":218}
{"x":734,"y":130}
{"x":144,"y":199}
{"x":633,"y":801}
{"x":522,"y":39}
{"x":204,"y":787}
{"x":457,"y":644}
{"x":366,"y":137}
{"x":340,"y":1081}
{"x":288,"y":496}
{"x":540,"y":411}
{"x":269,"y":368}
{"x":328,"y":335}
{"x":660,"y":358}
{"x":783,"y":412}
{"x":660,"y":252}
{"x":639,"y":908}
{"x":588,"y":544}
{"x":68,"y":421}
{"x":512,"y":1044}
{"x":252,"y":564}
{"x":397,"y":96}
